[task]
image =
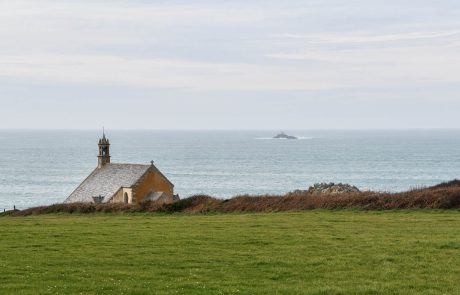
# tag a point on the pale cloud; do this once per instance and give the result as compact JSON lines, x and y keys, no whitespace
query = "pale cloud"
{"x":329,"y":54}
{"x":371,"y":38}
{"x":148,"y":12}
{"x":419,"y":57}
{"x":393,"y":67}
{"x":158,"y":73}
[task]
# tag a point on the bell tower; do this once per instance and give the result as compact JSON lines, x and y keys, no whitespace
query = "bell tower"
{"x":104,"y":151}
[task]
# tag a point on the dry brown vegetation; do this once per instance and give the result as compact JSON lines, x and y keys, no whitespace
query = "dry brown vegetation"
{"x":442,"y":196}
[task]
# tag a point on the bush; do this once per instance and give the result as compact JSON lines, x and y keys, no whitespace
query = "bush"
{"x":442,"y":196}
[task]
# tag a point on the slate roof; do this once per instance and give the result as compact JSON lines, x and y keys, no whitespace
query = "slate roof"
{"x":106,"y":181}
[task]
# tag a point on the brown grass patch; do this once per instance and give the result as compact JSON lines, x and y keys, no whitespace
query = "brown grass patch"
{"x":442,"y":196}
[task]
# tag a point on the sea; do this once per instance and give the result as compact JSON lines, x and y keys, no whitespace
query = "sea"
{"x":44,"y":167}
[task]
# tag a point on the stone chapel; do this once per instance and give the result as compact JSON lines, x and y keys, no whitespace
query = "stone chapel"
{"x":122,"y":183}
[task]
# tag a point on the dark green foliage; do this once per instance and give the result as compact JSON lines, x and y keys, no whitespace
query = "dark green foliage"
{"x":9,"y":212}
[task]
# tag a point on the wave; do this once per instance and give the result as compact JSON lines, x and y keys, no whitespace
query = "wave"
{"x":271,"y":138}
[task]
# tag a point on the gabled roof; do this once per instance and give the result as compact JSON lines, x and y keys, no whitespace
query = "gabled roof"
{"x":154,"y":168}
{"x":106,"y":181}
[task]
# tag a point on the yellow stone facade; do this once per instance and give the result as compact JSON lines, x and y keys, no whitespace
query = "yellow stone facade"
{"x":152,"y":181}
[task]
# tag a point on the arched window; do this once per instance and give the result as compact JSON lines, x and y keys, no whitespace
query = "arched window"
{"x":126,"y":198}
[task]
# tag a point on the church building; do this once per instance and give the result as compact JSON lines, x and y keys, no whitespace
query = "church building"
{"x":122,"y":183}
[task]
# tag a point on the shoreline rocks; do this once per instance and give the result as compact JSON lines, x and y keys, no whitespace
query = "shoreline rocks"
{"x":332,"y":188}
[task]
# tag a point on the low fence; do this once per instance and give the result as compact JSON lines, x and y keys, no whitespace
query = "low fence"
{"x":2,"y":209}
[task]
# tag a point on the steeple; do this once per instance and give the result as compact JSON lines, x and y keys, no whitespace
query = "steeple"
{"x":104,"y":151}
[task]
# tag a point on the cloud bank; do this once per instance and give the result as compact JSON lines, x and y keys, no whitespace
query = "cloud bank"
{"x":332,"y":56}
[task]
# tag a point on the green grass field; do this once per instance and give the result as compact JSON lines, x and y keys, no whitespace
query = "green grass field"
{"x":315,"y":252}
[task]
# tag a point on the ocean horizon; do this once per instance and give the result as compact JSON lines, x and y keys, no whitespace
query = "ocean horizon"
{"x":42,"y":167}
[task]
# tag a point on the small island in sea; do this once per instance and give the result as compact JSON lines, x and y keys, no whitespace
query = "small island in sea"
{"x":283,"y":135}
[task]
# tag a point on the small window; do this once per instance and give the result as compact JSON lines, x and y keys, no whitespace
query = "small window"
{"x":126,"y":198}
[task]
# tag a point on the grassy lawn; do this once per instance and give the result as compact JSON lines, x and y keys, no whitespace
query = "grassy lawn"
{"x":315,"y":252}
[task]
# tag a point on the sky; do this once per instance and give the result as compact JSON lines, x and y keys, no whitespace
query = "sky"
{"x":240,"y":64}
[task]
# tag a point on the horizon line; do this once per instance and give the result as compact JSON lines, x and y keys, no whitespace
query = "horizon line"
{"x":236,"y":129}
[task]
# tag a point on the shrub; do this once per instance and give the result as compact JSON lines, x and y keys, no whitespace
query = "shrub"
{"x":442,"y":196}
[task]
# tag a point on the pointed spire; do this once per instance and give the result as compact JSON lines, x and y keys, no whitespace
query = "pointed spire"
{"x":104,"y":150}
{"x":104,"y":139}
